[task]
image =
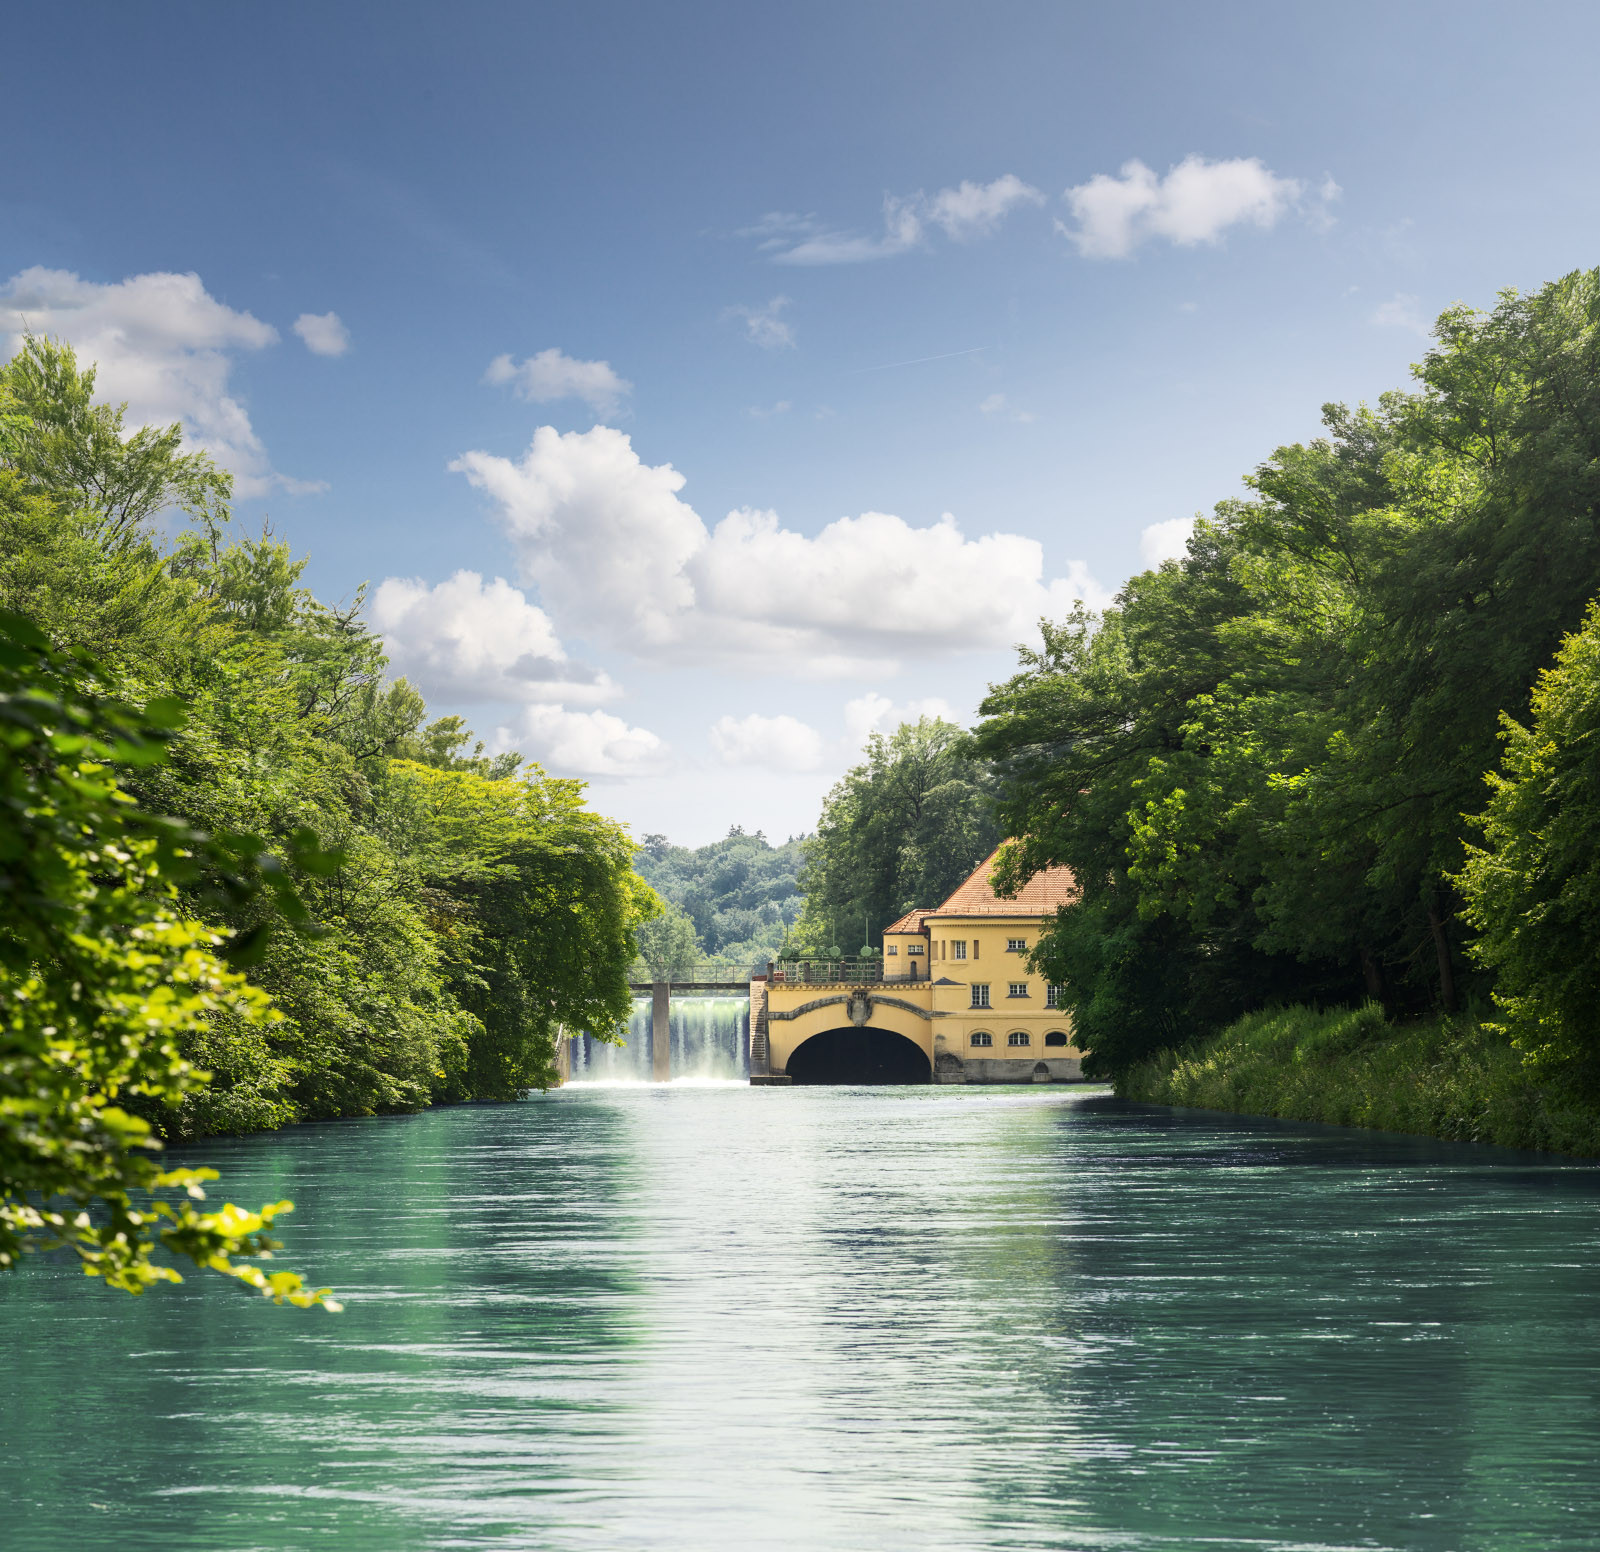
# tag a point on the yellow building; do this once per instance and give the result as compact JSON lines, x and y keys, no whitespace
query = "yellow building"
{"x":952,"y":1000}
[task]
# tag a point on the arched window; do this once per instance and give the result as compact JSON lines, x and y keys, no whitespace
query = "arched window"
{"x":1019,"y":1037}
{"x":1055,"y":1037}
{"x":980,"y":1038}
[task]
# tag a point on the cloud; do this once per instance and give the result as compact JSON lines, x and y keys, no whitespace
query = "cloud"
{"x":998,"y":404}
{"x":976,"y":209}
{"x":1166,"y":541}
{"x":763,"y":326}
{"x":551,"y":375}
{"x":617,"y":555}
{"x":874,"y":713}
{"x":781,"y":743}
{"x":324,"y":334}
{"x":767,"y":411}
{"x":967,"y":211}
{"x":1197,"y":201}
{"x":164,"y":345}
{"x":467,"y":640}
{"x":583,"y":743}
{"x":1403,"y":311}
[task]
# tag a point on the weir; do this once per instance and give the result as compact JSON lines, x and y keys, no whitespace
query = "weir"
{"x":705,"y":1035}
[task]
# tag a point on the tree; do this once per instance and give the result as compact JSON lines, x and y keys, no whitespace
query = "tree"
{"x":101,"y":977}
{"x":668,"y":945}
{"x":1266,"y":747}
{"x":1532,"y":889}
{"x":901,"y":829}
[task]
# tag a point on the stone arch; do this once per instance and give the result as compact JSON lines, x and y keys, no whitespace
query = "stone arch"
{"x":851,"y":1055}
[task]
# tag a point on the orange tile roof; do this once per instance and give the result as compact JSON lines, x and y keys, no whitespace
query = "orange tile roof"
{"x":912,"y":921}
{"x":1038,"y":897}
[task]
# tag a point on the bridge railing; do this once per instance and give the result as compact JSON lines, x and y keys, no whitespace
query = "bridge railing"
{"x":856,"y":972}
{"x":682,"y":975}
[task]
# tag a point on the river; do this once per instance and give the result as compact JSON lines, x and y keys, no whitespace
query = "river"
{"x":705,"y":1316}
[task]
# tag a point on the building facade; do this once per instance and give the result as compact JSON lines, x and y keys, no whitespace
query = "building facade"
{"x":954,"y":982}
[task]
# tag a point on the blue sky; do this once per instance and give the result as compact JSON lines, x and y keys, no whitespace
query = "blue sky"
{"x":962,"y":311}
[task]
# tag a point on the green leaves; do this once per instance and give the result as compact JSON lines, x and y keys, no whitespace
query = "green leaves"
{"x":102,"y":979}
{"x":1269,"y":745}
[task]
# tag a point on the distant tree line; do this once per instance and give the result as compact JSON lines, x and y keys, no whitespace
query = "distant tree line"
{"x":732,"y":902}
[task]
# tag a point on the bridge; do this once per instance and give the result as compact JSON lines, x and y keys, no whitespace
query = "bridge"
{"x":858,"y":1021}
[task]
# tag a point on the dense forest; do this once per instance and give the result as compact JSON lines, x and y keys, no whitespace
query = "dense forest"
{"x":1331,"y":754}
{"x":731,"y":903}
{"x":224,"y":818}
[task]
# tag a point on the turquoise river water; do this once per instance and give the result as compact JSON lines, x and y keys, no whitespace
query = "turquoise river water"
{"x":705,"y":1316}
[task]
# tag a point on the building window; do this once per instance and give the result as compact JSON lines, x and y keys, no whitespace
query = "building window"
{"x":1055,"y":1037}
{"x":1055,"y":996}
{"x":982,"y":1039}
{"x":958,"y":948}
{"x":1019,"y":1037}
{"x":913,"y":948}
{"x":980,"y":994}
{"x":974,"y":948}
{"x":1016,"y":945}
{"x":1018,"y":989}
{"x":891,"y":948}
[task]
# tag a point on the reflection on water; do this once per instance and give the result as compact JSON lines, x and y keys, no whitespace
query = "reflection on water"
{"x":710,"y":1039}
{"x":709,"y":1316}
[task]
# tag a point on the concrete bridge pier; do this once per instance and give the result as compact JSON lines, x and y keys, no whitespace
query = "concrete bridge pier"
{"x":660,"y":1032}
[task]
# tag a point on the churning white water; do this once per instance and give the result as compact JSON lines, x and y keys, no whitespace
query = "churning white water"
{"x":710,"y":1039}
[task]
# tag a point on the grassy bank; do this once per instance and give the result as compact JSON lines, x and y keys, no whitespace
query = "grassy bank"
{"x":1449,"y":1078}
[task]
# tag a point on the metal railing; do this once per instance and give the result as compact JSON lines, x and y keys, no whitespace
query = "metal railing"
{"x":851,"y":972}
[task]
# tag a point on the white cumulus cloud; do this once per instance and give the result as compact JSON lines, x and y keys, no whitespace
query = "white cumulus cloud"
{"x":550,"y":375}
{"x":324,"y":333}
{"x":875,"y":713}
{"x":583,"y":743}
{"x":976,"y":209}
{"x":162,"y":343}
{"x":763,"y":326}
{"x":781,"y":743}
{"x":465,"y":639}
{"x":1166,"y":541}
{"x":617,"y":555}
{"x":1197,"y":201}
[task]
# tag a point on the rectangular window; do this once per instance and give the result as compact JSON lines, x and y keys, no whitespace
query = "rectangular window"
{"x":958,"y":949}
{"x":913,"y":948}
{"x":1016,"y":945}
{"x":1019,"y":1037}
{"x":980,"y":994}
{"x":1018,"y":989}
{"x":1055,"y":996}
{"x":892,"y":948}
{"x":974,"y":948}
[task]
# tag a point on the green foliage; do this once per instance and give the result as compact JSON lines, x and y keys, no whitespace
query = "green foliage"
{"x":668,"y":947}
{"x":741,"y":894}
{"x":104,"y":978}
{"x":900,"y":830}
{"x":455,"y":910}
{"x":1533,"y":889}
{"x":1444,"y":1077}
{"x":1258,"y":760}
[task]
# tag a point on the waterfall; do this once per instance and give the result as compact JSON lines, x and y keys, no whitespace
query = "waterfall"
{"x":710,"y":1039}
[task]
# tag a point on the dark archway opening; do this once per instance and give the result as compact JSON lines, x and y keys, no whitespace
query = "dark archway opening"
{"x":858,"y":1056}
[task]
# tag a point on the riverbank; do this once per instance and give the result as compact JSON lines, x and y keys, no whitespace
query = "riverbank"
{"x":1449,"y":1078}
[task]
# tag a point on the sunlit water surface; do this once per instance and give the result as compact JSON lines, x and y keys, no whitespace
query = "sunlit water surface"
{"x":713,"y":1317}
